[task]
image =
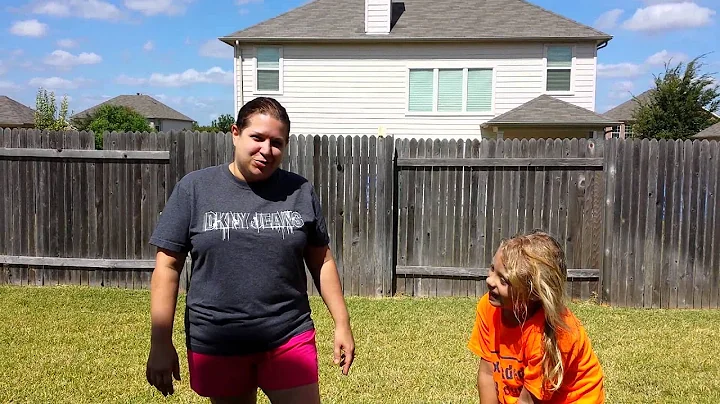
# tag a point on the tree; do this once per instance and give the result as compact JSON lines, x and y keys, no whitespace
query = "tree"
{"x":204,"y":128}
{"x":681,"y":105}
{"x":112,"y":118}
{"x":223,"y":123}
{"x":47,"y":115}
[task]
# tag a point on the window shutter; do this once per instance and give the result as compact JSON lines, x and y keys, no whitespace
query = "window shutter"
{"x":559,"y":56}
{"x":421,"y":90}
{"x":450,"y":90}
{"x":479,"y":91}
{"x":558,"y":80}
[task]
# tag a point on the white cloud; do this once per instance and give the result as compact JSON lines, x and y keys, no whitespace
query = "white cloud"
{"x":652,"y":2}
{"x":156,"y":7}
{"x":90,"y":9}
{"x":669,"y":16}
{"x":32,"y":28}
{"x":216,"y":49}
{"x":620,"y":70}
{"x":608,"y":20}
{"x":621,"y":89}
{"x":58,"y":83}
{"x":213,"y":75}
{"x":184,"y":101}
{"x":149,"y":45}
{"x":61,"y":58}
{"x":662,"y":57}
{"x":66,"y":43}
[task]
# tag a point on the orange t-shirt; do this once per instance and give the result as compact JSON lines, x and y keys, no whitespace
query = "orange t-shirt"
{"x":515,"y":354}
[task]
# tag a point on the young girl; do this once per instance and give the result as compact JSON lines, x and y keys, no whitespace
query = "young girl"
{"x":251,"y":228}
{"x":532,"y":348}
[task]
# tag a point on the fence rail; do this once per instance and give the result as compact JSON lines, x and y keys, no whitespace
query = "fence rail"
{"x":639,"y":219}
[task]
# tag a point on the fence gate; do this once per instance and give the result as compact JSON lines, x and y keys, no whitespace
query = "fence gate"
{"x":457,"y":199}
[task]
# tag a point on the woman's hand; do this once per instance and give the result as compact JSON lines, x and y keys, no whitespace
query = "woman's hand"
{"x":344,"y":352}
{"x":162,"y":366}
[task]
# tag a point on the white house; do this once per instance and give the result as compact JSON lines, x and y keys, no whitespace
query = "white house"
{"x":435,"y":68}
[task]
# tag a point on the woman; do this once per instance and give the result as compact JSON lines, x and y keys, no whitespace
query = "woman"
{"x":250,"y":228}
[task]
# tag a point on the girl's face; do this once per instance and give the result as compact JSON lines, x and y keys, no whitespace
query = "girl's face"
{"x":259,"y":147}
{"x":498,"y":285}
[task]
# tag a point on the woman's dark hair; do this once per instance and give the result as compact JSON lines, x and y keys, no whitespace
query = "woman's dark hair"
{"x":263,"y":105}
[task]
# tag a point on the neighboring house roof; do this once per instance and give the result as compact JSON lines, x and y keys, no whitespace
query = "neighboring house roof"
{"x":14,"y":113}
{"x":546,"y":110}
{"x":712,"y":132}
{"x":625,"y":111}
{"x":423,"y":20}
{"x":144,"y":104}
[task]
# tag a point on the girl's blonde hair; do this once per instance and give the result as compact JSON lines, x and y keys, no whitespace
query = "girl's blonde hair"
{"x":536,"y":270}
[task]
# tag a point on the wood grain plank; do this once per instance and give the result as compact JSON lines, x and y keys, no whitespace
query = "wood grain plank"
{"x":714,"y":239}
{"x":686,"y":234}
{"x":447,"y":214}
{"x":671,"y":249}
{"x":701,"y":278}
{"x":692,"y":291}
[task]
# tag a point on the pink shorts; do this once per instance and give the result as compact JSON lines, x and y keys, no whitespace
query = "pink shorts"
{"x":291,"y":365}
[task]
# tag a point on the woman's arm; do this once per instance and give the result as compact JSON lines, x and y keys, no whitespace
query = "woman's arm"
{"x":163,"y":362}
{"x":324,"y":272}
{"x":485,"y":383}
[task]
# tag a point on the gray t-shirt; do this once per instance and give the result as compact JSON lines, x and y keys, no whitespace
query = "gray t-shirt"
{"x":248,"y":289}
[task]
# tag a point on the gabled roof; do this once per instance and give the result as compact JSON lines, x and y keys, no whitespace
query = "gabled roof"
{"x":13,"y":113}
{"x":546,"y":110}
{"x":712,"y":132}
{"x":625,"y":111}
{"x":144,"y":104}
{"x":425,"y":20}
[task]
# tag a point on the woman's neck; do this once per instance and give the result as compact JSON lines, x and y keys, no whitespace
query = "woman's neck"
{"x":509,"y":319}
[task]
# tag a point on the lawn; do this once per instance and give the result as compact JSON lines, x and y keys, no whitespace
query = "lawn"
{"x":81,"y":345}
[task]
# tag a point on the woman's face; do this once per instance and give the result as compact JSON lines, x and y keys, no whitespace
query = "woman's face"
{"x":259,"y":148}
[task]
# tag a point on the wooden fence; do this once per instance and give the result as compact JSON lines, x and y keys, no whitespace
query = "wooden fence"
{"x":662,"y":239}
{"x":73,"y":215}
{"x":457,"y":200}
{"x":640,"y":220}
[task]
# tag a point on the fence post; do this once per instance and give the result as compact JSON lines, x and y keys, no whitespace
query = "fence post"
{"x":385,"y":236}
{"x":610,"y":169}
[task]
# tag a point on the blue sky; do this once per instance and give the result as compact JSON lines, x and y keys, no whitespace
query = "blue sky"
{"x":92,"y":50}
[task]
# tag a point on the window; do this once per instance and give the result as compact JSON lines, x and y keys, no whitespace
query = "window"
{"x":628,"y":131}
{"x":559,"y":68}
{"x":268,"y":68}
{"x":450,"y":90}
{"x":615,"y":131}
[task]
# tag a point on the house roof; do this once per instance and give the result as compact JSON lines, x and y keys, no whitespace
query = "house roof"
{"x":144,"y":104}
{"x":14,"y":113}
{"x":712,"y":132}
{"x":546,"y":110}
{"x":625,"y":111}
{"x":425,"y":20}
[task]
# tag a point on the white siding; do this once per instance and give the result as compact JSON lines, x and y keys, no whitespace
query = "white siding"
{"x":377,"y":16}
{"x":335,"y":89}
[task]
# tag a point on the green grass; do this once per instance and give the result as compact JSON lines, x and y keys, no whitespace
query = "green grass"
{"x":80,"y":345}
